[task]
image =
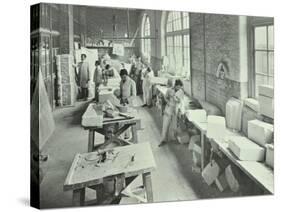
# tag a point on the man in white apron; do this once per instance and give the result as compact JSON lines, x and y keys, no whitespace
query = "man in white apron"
{"x":169,"y":117}
{"x":147,"y":86}
{"x":84,"y":76}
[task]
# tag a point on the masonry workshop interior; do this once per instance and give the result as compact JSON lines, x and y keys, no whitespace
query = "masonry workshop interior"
{"x":140,"y":106}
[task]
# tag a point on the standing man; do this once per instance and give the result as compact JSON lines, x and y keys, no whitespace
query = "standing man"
{"x":169,"y":117}
{"x":147,"y":86}
{"x":127,"y":88}
{"x":84,"y":76}
{"x":138,"y":73}
{"x":127,"y":92}
{"x":97,"y":79}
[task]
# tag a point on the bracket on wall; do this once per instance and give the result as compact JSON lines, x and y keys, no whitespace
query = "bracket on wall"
{"x":222,"y":70}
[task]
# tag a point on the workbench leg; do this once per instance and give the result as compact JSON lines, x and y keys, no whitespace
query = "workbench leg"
{"x":134,"y":134}
{"x":202,"y":151}
{"x":91,"y":141}
{"x":147,"y":182}
{"x":99,"y":193}
{"x":78,"y":198}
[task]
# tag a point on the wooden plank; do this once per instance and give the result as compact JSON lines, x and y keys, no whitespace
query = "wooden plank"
{"x":86,"y":173}
{"x":148,"y":186}
{"x":202,"y":126}
{"x":123,"y":121}
{"x":202,"y":137}
{"x":134,"y":134}
{"x":72,"y":169}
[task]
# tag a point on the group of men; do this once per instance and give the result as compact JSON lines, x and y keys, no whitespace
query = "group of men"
{"x":135,"y":82}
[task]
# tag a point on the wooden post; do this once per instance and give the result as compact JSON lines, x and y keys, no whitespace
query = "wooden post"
{"x":99,"y":193}
{"x":147,"y":182}
{"x":91,"y":141}
{"x":134,"y":134}
{"x":202,"y":151}
{"x":78,"y":198}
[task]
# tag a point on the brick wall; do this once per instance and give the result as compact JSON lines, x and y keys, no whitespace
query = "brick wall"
{"x":214,"y":39}
{"x":112,"y":22}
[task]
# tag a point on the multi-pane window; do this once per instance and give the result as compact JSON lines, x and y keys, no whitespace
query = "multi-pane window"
{"x":146,"y":37}
{"x":177,"y":42}
{"x":263,"y":56}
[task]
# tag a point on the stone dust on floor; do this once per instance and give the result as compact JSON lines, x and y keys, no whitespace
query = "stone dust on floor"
{"x":173,"y":160}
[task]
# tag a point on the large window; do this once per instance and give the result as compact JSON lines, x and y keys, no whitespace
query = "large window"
{"x":146,"y":37}
{"x":177,"y":43}
{"x":263,"y":56}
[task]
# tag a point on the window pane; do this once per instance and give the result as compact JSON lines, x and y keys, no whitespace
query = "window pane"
{"x":186,"y":56}
{"x":178,"y":56}
{"x":185,"y":21}
{"x":261,"y":62}
{"x":260,"y":80}
{"x":169,"y":41}
{"x":270,"y":37}
{"x":271,"y":63}
{"x":169,"y":27}
{"x":176,"y":25}
{"x":260,"y":38}
{"x":186,"y":40}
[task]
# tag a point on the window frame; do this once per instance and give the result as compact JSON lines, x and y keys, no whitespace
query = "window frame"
{"x":146,"y":44}
{"x":182,"y":33}
{"x":252,"y":51}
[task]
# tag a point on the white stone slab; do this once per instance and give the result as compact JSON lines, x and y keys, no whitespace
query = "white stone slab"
{"x":197,"y":115}
{"x":216,"y":127}
{"x":245,"y":149}
{"x":260,"y":132}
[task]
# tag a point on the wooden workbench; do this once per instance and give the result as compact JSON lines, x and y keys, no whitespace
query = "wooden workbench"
{"x":257,"y":171}
{"x":202,"y":127}
{"x":85,"y":173}
{"x":123,"y":124}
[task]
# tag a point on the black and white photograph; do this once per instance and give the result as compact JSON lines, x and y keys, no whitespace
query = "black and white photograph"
{"x":135,"y":106}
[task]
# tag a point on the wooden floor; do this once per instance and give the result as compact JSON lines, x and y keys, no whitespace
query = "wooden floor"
{"x":173,"y":180}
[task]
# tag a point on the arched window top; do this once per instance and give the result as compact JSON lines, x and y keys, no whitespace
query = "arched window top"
{"x":146,"y":26}
{"x":177,"y":42}
{"x":177,"y":21}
